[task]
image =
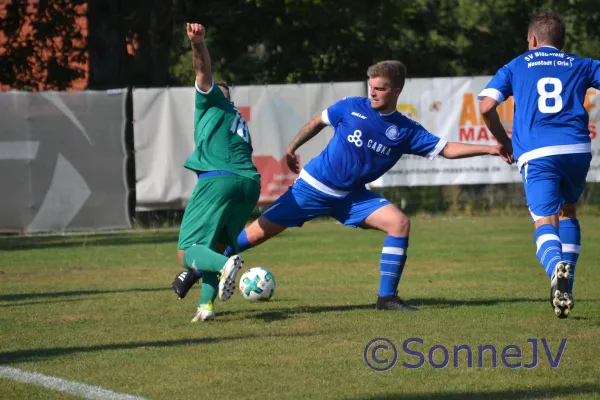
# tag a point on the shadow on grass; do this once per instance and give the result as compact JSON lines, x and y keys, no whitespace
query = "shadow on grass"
{"x":11,"y":357}
{"x":41,"y":302}
{"x":272,"y":315}
{"x":280,"y":314}
{"x":441,"y":302}
{"x":548,"y":392}
{"x":93,"y":240}
{"x":75,"y":293}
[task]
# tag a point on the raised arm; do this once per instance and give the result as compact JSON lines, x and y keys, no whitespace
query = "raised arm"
{"x":200,"y":57}
{"x":308,"y":131}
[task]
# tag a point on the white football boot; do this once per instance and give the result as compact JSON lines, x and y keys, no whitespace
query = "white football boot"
{"x":204,"y":313}
{"x":228,"y":275}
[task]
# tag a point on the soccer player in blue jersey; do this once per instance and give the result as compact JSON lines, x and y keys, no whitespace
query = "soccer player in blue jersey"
{"x":551,"y":143}
{"x":370,"y":136}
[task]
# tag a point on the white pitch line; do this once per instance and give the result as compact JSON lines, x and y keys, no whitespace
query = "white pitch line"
{"x":63,"y":385}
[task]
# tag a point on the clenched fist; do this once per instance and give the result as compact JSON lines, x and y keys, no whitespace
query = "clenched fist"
{"x":292,"y":161}
{"x":195,"y":32}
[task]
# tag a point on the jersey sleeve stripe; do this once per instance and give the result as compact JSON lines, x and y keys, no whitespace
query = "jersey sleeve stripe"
{"x":325,"y":117}
{"x":493,"y":93}
{"x":437,"y":149}
{"x":208,"y":91}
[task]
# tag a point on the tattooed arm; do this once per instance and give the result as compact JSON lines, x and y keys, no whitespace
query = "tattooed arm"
{"x":200,"y":57}
{"x":307,"y":132}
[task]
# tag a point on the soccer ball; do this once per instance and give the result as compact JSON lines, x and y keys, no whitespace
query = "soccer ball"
{"x":257,"y":284}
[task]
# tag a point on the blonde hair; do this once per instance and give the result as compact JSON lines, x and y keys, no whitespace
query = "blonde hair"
{"x":393,"y":71}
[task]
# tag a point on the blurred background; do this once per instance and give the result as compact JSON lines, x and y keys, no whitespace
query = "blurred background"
{"x":101,"y":44}
{"x":102,"y":51}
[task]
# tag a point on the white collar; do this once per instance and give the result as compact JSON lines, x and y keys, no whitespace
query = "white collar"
{"x":552,"y":47}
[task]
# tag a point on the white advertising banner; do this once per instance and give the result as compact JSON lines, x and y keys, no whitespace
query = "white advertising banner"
{"x":448,"y":107}
{"x":164,"y":139}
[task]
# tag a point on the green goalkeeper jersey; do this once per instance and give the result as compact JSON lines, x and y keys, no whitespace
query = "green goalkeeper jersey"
{"x":221,"y":137}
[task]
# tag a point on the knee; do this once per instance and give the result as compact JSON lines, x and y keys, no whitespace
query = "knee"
{"x":568,"y":211}
{"x":180,"y":256}
{"x":399,"y":226}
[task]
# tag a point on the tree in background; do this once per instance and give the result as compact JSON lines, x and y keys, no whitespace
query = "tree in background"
{"x":274,"y":41}
{"x":143,"y":43}
{"x":43,"y":44}
{"x":130,"y":42}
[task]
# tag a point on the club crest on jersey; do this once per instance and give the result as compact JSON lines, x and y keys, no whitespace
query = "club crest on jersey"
{"x":392,"y":132}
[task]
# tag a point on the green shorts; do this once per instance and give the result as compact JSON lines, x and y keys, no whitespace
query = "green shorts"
{"x":218,"y":211}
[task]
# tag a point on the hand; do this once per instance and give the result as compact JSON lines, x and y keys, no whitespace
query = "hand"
{"x":505,"y":151}
{"x":195,"y":32}
{"x":292,"y":161}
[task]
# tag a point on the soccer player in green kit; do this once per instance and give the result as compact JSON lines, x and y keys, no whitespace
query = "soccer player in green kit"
{"x":226,"y":193}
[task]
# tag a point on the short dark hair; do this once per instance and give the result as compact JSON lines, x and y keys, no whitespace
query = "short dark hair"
{"x":549,"y":27}
{"x":393,"y":71}
{"x":223,"y":84}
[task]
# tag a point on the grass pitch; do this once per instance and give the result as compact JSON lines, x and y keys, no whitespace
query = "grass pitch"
{"x":99,"y":310}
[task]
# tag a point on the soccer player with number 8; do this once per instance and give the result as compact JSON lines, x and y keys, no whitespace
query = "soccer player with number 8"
{"x":551,"y":142}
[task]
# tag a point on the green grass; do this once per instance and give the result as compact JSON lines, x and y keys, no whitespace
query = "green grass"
{"x":99,"y":309}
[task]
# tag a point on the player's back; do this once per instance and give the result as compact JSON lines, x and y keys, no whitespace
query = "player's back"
{"x":221,"y":136}
{"x":549,"y":88}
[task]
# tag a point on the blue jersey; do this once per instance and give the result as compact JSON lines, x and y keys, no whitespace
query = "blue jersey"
{"x":365,"y":145}
{"x":549,"y":89}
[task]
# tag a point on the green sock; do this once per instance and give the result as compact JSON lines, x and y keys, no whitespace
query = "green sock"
{"x":203,"y":259}
{"x":210,"y":286}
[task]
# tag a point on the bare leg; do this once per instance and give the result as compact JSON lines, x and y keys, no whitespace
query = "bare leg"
{"x":262,"y":230}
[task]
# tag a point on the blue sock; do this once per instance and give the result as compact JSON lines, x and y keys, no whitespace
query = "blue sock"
{"x":391,"y":265}
{"x":549,"y":247}
{"x":242,"y":243}
{"x":570,"y":236}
